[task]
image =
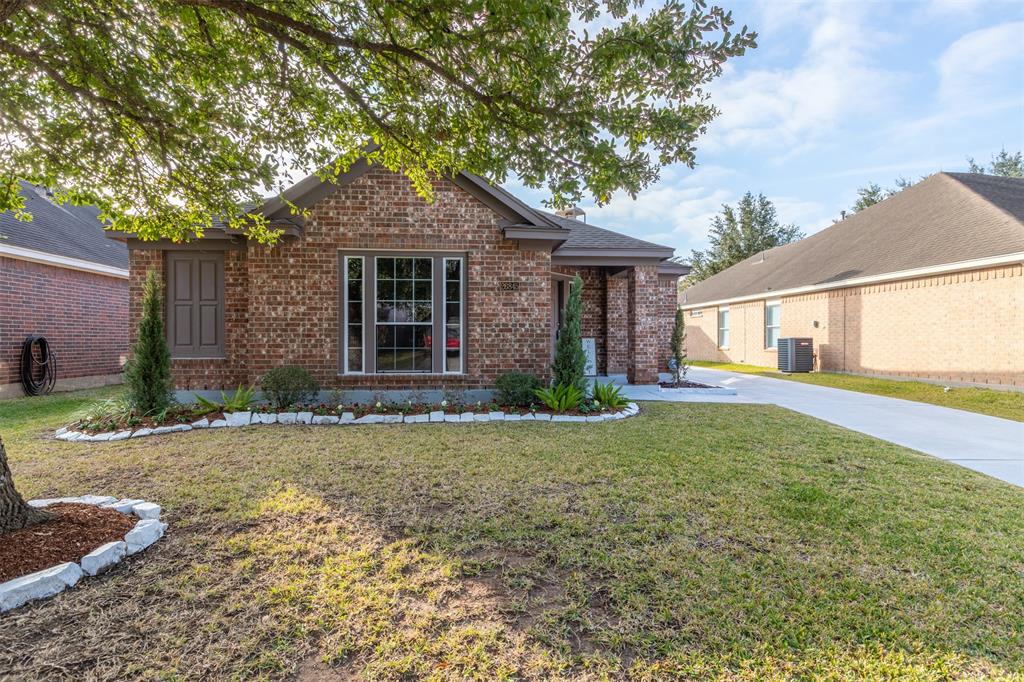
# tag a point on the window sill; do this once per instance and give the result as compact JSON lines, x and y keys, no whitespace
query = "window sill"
{"x":402,"y":374}
{"x":199,"y":357}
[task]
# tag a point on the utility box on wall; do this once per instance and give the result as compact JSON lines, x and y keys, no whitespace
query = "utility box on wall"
{"x":796,"y":354}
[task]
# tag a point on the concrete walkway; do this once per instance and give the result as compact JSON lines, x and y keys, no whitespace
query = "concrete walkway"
{"x":987,"y":444}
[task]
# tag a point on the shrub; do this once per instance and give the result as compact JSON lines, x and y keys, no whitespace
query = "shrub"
{"x":148,"y":373}
{"x":286,"y":386}
{"x":561,"y":397}
{"x":570,"y":360}
{"x":678,"y":359}
{"x":517,"y":388}
{"x":241,"y":401}
{"x":608,"y":395}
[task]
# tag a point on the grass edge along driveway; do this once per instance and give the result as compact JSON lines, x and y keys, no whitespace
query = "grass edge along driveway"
{"x":993,"y":402}
{"x":694,"y":541}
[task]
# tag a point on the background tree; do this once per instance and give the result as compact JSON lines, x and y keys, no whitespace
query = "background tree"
{"x":148,"y":374}
{"x":167,"y":113}
{"x":570,"y":360}
{"x":678,"y":345}
{"x":738,"y":233}
{"x":872,"y":193}
{"x":1003,"y":164}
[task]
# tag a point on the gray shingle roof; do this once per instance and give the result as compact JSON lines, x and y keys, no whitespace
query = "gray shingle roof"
{"x":69,"y":231}
{"x":585,"y":236}
{"x":946,"y":218}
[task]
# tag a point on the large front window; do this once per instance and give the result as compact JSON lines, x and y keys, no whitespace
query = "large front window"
{"x":417,"y":321}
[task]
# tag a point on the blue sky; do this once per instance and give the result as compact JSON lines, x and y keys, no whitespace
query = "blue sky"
{"x":837,"y":95}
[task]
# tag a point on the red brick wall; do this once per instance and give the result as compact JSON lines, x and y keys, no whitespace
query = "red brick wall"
{"x":83,"y":315}
{"x":282,"y":302}
{"x":617,"y":323}
{"x":594,"y":321}
{"x":645,"y":325}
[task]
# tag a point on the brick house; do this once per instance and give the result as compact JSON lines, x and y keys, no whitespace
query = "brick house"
{"x":927,"y":284}
{"x":363,"y":289}
{"x":60,"y":277}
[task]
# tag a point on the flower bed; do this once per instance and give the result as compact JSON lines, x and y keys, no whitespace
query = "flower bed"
{"x":88,"y":536}
{"x":324,"y":415}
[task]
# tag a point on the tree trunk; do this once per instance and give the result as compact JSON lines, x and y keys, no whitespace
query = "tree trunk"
{"x":14,"y":511}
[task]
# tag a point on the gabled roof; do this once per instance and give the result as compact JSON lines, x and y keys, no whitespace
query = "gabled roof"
{"x":944,"y":220}
{"x":569,"y":237}
{"x":584,"y":236}
{"x":66,"y":230}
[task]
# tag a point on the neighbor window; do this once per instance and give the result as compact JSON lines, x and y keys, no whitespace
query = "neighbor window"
{"x":195,"y":304}
{"x":772,"y":320}
{"x":397,"y":309}
{"x":723,"y":327}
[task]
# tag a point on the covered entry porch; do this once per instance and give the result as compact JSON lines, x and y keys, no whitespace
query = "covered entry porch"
{"x":628,"y":313}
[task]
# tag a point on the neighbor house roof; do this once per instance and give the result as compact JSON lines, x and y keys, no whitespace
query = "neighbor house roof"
{"x":946,"y":222}
{"x":61,"y":234}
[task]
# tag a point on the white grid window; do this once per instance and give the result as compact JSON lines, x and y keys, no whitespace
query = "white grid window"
{"x":772,"y":323}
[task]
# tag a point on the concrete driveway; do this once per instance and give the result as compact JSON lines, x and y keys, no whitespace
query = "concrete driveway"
{"x":987,"y":444}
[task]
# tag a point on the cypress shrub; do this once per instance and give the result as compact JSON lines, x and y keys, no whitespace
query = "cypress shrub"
{"x":570,"y":360}
{"x":148,"y":374}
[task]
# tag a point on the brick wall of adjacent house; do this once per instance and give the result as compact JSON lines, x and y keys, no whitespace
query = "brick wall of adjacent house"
{"x":83,"y":315}
{"x":964,"y":327}
{"x":282,"y":301}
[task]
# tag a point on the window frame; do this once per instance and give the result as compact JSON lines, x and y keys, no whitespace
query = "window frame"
{"x":726,"y":328}
{"x":197,"y":352}
{"x":344,"y":315}
{"x":777,"y":326}
{"x":438,"y":310}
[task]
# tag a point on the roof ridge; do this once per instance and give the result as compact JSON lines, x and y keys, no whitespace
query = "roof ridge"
{"x":988,"y":203}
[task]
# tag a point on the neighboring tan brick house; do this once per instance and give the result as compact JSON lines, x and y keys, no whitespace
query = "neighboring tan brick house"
{"x":360,"y":291}
{"x":927,"y":284}
{"x":60,"y":277}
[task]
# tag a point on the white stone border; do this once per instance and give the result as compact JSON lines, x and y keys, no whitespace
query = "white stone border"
{"x":237,"y":419}
{"x":54,"y":580}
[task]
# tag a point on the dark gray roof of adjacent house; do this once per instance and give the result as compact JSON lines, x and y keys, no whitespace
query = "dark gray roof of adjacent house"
{"x":61,"y":230}
{"x":946,"y":218}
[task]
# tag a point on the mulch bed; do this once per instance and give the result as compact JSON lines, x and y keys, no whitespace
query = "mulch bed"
{"x":683,"y":384}
{"x":76,"y":530}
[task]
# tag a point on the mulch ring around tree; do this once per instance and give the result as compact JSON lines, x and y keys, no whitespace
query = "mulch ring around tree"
{"x":75,"y":530}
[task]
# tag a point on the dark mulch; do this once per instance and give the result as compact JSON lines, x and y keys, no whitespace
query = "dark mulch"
{"x":683,"y":384}
{"x":76,"y":530}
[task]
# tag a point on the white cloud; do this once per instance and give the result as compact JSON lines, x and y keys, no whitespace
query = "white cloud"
{"x":970,"y":69}
{"x":834,"y":80}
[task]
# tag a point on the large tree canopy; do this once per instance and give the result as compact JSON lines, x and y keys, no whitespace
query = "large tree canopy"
{"x":739,"y":233}
{"x":167,"y":112}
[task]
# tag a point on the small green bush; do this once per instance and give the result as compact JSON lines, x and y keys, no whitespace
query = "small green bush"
{"x":608,"y":395}
{"x":517,"y":389}
{"x":285,"y":386}
{"x":561,"y":397}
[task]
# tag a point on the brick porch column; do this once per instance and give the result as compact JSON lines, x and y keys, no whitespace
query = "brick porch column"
{"x":643,"y":325}
{"x":617,"y":323}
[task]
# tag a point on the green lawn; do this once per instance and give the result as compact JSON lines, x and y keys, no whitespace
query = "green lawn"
{"x":1005,"y":404}
{"x":694,"y":541}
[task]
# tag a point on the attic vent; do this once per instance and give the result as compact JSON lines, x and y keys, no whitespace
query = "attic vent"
{"x":575,"y":212}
